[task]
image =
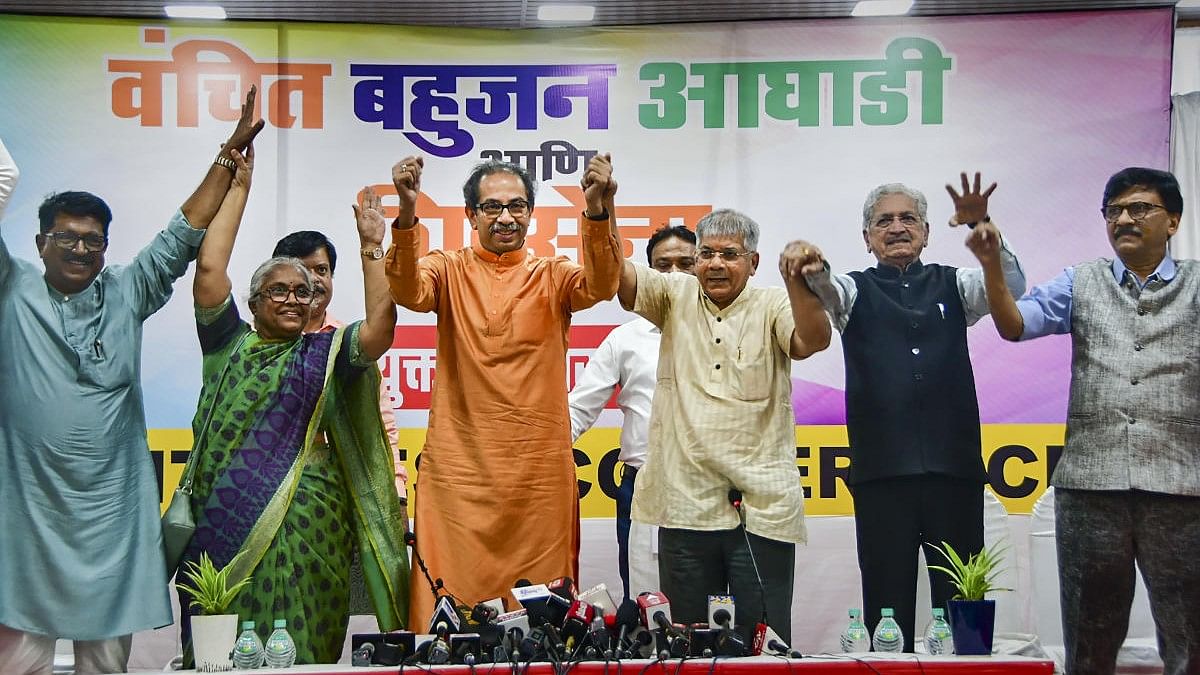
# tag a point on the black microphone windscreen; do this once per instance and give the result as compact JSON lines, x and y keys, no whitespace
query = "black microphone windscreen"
{"x":735,"y":497}
{"x":410,"y":539}
{"x":522,"y":583}
{"x":721,"y":617}
{"x":627,"y":613}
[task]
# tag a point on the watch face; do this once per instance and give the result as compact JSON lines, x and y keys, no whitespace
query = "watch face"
{"x":373,"y":253}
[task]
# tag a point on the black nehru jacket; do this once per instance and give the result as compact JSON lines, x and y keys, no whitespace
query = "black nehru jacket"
{"x":910,"y":391}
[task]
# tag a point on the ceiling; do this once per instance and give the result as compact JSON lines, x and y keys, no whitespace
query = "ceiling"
{"x":523,"y":13}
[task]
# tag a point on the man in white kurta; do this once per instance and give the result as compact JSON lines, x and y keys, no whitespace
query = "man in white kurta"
{"x":722,"y":419}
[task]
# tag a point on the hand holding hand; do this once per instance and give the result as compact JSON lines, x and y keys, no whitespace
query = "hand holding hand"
{"x":972,"y":205}
{"x":243,"y":135}
{"x":598,"y":185}
{"x":406,"y":176}
{"x":984,"y":242}
{"x":245,"y":167}
{"x":798,"y":259}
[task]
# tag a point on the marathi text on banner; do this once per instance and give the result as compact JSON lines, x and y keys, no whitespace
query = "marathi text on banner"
{"x":426,"y":98}
{"x":791,"y":91}
{"x":225,"y":73}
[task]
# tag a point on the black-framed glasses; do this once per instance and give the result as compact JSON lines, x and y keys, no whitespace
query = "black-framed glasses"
{"x":906,"y":219}
{"x":1137,"y":210}
{"x":517,"y":208}
{"x":92,"y":243}
{"x":727,"y":254}
{"x":687,"y":264}
{"x":304,"y":295}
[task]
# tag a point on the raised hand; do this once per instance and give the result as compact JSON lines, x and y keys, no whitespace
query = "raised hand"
{"x":245,"y":167}
{"x":406,"y":177}
{"x":598,"y":185}
{"x":972,"y":205}
{"x":243,"y":135}
{"x":798,"y":259}
{"x":369,"y":215}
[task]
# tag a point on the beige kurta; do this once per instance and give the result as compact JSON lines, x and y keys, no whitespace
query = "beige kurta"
{"x":496,"y":497}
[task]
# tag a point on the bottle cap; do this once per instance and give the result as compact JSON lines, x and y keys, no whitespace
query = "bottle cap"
{"x":855,"y":612}
{"x":885,"y":612}
{"x":247,"y":625}
{"x":282,"y":623}
{"x":938,"y":612}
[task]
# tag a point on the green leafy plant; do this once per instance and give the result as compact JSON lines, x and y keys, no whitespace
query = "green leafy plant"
{"x":975,"y":577}
{"x":209,"y":587}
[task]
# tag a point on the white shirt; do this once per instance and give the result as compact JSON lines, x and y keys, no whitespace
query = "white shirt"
{"x":627,"y":357}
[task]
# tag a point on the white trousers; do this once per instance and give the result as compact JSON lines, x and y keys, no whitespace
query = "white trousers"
{"x":24,"y":653}
{"x":643,"y":558}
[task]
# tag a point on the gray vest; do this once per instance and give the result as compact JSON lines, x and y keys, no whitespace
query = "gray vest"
{"x":1133,"y":420}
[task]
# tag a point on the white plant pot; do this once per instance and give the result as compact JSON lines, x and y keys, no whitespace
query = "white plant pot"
{"x":213,"y":638}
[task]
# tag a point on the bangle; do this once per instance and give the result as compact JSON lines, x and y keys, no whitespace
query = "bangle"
{"x":986,"y":219}
{"x":225,"y":162}
{"x":603,"y":215}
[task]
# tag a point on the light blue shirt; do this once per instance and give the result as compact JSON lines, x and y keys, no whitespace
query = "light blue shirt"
{"x":80,"y":536}
{"x":1046,"y":308}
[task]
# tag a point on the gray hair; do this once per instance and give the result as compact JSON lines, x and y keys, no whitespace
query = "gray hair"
{"x":894,"y":189}
{"x":729,"y":223}
{"x":489,"y":167}
{"x":260,"y":275}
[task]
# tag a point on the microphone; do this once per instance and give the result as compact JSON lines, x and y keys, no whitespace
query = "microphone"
{"x":721,"y":611}
{"x":598,"y":595}
{"x":602,"y":633}
{"x":362,"y":655}
{"x":576,"y":625}
{"x":439,"y":649}
{"x":465,"y":648}
{"x":627,"y":619}
{"x":655,"y":610}
{"x":444,"y":612}
{"x":542,"y":605}
{"x":762,"y":628}
{"x":484,"y":613}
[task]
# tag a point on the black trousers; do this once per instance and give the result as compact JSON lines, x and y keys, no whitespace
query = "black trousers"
{"x":1099,"y":535}
{"x":693,"y":564}
{"x":895,"y":516}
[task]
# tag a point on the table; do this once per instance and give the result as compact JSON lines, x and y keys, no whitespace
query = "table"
{"x":891,"y":664}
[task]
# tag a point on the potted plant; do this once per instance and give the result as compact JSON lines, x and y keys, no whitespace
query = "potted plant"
{"x":214,"y":630}
{"x":972,"y":616}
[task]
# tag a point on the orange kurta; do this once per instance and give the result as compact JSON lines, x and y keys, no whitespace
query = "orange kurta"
{"x":496,"y":497}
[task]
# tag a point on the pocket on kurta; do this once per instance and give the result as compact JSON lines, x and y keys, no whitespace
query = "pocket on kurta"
{"x":531,"y":321}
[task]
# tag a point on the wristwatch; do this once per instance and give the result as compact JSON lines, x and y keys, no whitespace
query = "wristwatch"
{"x":374,"y":253}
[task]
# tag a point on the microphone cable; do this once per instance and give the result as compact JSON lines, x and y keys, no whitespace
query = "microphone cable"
{"x":735,"y":500}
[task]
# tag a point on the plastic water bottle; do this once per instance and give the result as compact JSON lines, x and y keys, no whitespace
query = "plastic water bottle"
{"x":856,"y":638}
{"x":937,"y":634}
{"x":248,"y":652}
{"x":280,"y":650}
{"x":888,"y":637}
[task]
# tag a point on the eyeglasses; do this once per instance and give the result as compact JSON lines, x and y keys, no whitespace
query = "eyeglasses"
{"x":517,"y":208}
{"x":1137,"y":210}
{"x":67,"y":241}
{"x":906,"y":219}
{"x":666,"y":265}
{"x":727,"y":254}
{"x":304,"y":294}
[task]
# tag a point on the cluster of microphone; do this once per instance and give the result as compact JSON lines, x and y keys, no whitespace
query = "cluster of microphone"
{"x":559,"y":625}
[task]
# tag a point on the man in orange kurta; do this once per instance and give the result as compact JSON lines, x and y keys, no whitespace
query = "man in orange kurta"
{"x":496,"y":497}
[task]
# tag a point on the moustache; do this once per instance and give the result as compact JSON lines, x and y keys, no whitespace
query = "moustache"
{"x":500,"y":228}
{"x":1126,"y":229}
{"x":81,"y":259}
{"x":897,"y":239}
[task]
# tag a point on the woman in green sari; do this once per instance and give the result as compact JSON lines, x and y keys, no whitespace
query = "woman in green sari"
{"x":292,"y":464}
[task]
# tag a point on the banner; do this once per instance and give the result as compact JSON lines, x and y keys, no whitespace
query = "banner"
{"x":791,"y":122}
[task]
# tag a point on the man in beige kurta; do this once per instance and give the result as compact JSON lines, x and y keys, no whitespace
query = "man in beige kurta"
{"x":496,"y":498}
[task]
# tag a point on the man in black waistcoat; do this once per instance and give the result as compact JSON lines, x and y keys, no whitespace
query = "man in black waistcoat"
{"x":916,"y":471}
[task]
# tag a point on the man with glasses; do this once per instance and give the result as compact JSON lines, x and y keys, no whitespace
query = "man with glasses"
{"x":722,"y":420}
{"x":1127,"y":487}
{"x":916,"y":470}
{"x":496,"y":497}
{"x":628,"y":358}
{"x":82,"y":555}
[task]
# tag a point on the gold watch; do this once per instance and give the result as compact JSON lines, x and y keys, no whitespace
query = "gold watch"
{"x":374,"y":253}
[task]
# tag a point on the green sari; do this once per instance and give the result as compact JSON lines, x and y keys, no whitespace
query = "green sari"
{"x":294,"y":469}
